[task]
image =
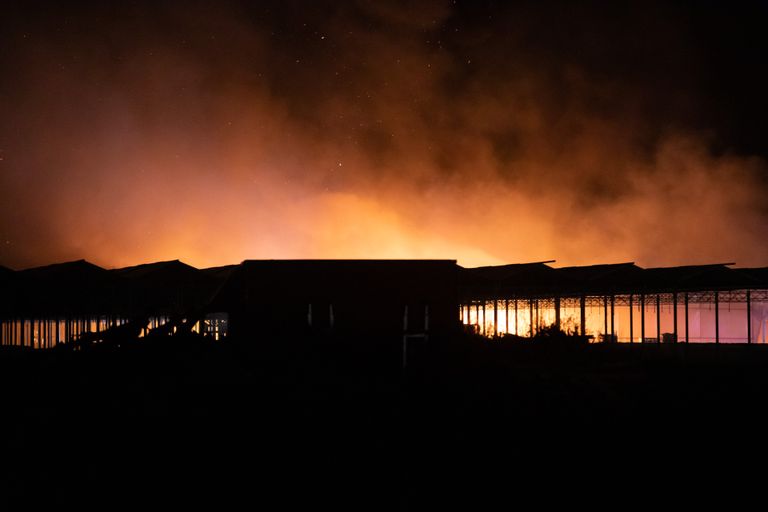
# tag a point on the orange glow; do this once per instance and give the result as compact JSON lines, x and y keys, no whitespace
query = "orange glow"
{"x":212,"y":155}
{"x":214,"y":220}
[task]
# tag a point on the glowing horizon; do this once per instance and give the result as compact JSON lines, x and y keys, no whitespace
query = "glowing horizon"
{"x":199,"y":136}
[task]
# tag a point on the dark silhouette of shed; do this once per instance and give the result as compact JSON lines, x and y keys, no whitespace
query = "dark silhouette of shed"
{"x":71,"y":288}
{"x":167,"y":288}
{"x":385,"y":296}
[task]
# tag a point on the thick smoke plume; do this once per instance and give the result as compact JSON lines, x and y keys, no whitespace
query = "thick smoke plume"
{"x":364,"y":130}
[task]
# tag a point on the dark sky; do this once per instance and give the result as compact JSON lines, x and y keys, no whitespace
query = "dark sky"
{"x":485,"y":131}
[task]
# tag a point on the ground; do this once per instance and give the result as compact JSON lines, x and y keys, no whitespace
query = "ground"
{"x":310,"y":422}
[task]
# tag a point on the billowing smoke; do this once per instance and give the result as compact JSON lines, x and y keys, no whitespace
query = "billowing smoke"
{"x":416,"y":130}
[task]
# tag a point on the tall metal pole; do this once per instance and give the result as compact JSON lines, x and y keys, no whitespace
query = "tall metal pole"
{"x":506,"y":316}
{"x":605,"y":316}
{"x":674,"y":314}
{"x":749,"y":317}
{"x":658,"y":318}
{"x":613,"y":328}
{"x":631,"y":321}
{"x":516,"y":332}
{"x":687,"y":339}
{"x":717,"y":317}
{"x":530,"y":308}
{"x":642,"y":318}
{"x":484,"y":307}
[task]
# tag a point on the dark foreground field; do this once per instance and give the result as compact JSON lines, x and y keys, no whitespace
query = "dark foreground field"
{"x":293,"y":425}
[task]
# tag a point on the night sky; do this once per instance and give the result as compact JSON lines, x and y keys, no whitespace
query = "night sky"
{"x":486,"y":131}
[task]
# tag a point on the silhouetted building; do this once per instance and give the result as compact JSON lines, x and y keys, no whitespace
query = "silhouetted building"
{"x":44,"y":306}
{"x":619,"y":302}
{"x":415,"y":297}
{"x":167,"y":287}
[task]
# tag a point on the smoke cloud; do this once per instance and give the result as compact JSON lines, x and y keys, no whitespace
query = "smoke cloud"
{"x":368,"y":130}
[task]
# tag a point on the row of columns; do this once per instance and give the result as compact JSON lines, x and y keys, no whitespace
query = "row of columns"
{"x":533,"y":308}
{"x":609,"y":315}
{"x":481,"y":325}
{"x":49,"y":332}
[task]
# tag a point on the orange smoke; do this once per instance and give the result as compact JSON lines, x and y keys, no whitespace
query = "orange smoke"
{"x":362,"y":143}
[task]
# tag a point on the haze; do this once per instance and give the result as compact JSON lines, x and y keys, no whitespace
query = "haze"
{"x":486,"y":133}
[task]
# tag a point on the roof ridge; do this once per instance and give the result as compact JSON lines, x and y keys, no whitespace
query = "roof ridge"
{"x":64,"y":263}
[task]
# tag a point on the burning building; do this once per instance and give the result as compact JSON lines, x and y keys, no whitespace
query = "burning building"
{"x":619,"y":302}
{"x":396,"y":299}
